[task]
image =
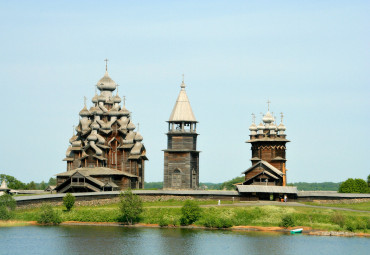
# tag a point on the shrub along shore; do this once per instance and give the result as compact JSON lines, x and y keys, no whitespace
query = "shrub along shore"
{"x":171,"y":214}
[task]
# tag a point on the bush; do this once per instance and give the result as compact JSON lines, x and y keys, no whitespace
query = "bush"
{"x":163,"y":222}
{"x":287,"y":221}
{"x":7,"y":204}
{"x":190,"y":213}
{"x":48,"y":216}
{"x":354,"y":186}
{"x":350,"y":226}
{"x":212,"y":221}
{"x":8,"y":201}
{"x":69,"y":201}
{"x":338,"y":219}
{"x":361,"y":224}
{"x":131,"y":207}
{"x":367,"y":223}
{"x":5,"y":213}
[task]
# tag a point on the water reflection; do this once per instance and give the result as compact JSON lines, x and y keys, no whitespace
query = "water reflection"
{"x":120,"y":240}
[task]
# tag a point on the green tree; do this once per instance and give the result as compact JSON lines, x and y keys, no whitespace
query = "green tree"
{"x":229,"y":185}
{"x":12,"y":182}
{"x":153,"y":185}
{"x":69,"y":201}
{"x":48,"y":216}
{"x":332,"y":186}
{"x":8,"y":201}
{"x":7,"y":205}
{"x":354,"y":186}
{"x":190,"y":213}
{"x":31,"y":185}
{"x":52,"y":181}
{"x":43,"y":185}
{"x":368,"y":180}
{"x":361,"y":186}
{"x":131,"y":206}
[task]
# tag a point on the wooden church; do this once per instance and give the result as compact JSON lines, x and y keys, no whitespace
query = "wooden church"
{"x":267,"y":175}
{"x":181,"y":158}
{"x":105,"y":151}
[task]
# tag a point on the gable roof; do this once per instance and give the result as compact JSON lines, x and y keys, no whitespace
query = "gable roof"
{"x":85,"y":171}
{"x":263,"y":172}
{"x":182,"y":110}
{"x":266,"y":164}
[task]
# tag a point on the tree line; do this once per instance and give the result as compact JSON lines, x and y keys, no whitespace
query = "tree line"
{"x":14,"y":183}
{"x":348,"y":186}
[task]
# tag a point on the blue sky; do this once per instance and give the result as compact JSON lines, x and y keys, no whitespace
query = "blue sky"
{"x":310,"y":58}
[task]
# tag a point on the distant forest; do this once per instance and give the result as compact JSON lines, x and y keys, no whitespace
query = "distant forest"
{"x":13,"y":183}
{"x":325,"y":186}
{"x":229,"y":185}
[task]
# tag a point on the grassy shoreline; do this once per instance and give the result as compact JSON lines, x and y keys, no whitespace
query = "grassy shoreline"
{"x":168,"y":213}
{"x":306,"y":230}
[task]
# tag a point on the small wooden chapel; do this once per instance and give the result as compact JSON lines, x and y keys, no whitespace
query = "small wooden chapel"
{"x":266,"y":178}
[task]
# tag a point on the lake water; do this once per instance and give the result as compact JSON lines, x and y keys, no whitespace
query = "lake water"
{"x":53,"y":240}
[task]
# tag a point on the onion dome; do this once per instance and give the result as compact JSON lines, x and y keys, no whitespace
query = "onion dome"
{"x":253,"y":127}
{"x":123,"y":111}
{"x":84,"y":112}
{"x":268,"y":118}
{"x":109,"y":101}
{"x":93,"y":110}
{"x":261,"y":126}
{"x":69,"y":151}
{"x":92,"y":137}
{"x":98,"y":110}
{"x":281,"y":127}
{"x":73,"y":138}
{"x":113,"y":112}
{"x":106,"y":83}
{"x":272,"y":126}
{"x":95,"y":99}
{"x":116,"y":99}
{"x":95,"y":125}
{"x":101,"y":98}
{"x":76,"y":143}
{"x":136,"y":150}
{"x":131,"y":126}
{"x":138,"y":137}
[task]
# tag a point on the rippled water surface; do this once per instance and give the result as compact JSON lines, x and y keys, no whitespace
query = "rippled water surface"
{"x":120,"y":240}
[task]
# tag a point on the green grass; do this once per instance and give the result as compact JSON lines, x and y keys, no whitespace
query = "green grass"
{"x":35,"y":194}
{"x":363,"y":206}
{"x":173,"y":202}
{"x":169,"y":213}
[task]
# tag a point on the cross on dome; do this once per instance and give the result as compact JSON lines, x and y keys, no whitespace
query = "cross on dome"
{"x":106,"y":64}
{"x":117,"y":88}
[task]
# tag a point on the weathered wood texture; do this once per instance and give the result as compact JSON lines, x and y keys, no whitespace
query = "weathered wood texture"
{"x":181,"y":162}
{"x":271,"y":151}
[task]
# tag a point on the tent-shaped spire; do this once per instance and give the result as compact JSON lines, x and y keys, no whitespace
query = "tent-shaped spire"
{"x":4,"y":186}
{"x":182,"y":110}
